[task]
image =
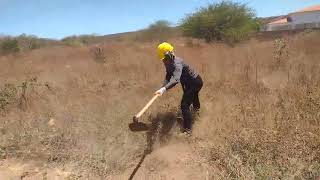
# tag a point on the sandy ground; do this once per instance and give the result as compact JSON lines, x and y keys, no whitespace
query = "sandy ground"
{"x":176,"y":161}
{"x":14,"y":169}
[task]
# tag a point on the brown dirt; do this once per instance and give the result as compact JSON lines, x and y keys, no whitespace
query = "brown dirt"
{"x":17,"y":169}
{"x":65,"y":115}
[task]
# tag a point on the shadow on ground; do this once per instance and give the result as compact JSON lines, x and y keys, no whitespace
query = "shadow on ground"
{"x":158,"y":131}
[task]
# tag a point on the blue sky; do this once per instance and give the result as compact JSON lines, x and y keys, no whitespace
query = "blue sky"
{"x":60,"y":18}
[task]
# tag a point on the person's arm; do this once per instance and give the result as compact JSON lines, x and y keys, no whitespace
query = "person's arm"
{"x":166,"y":80}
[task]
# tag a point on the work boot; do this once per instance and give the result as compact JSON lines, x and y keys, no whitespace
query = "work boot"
{"x":187,"y":132}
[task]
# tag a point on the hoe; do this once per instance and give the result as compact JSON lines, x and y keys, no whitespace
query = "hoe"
{"x":139,"y":126}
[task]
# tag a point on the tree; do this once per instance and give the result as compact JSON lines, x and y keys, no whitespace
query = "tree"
{"x":159,"y":30}
{"x":228,"y":21}
{"x":9,"y":46}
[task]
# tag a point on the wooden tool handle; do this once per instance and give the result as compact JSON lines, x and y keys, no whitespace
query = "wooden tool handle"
{"x":147,"y":106}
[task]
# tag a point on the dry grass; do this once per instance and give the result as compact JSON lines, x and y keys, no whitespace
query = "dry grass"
{"x":258,"y":120}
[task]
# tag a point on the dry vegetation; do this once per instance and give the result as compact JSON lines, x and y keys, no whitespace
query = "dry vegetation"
{"x":259,"y":119}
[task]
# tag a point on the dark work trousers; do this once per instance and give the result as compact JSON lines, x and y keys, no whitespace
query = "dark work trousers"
{"x":190,"y":96}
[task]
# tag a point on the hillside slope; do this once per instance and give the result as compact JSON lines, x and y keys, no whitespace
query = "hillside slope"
{"x":65,"y":113}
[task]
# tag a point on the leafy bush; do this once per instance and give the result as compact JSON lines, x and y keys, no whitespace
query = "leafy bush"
{"x":72,"y":41}
{"x":158,"y":31}
{"x":160,"y":26}
{"x":9,"y":46}
{"x":34,"y":44}
{"x":29,"y":42}
{"x":23,"y":43}
{"x":229,"y":21}
{"x":81,"y":40}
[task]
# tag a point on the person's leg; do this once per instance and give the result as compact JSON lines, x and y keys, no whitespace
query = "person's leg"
{"x":186,"y":102}
{"x":196,"y":102}
{"x":198,"y":85}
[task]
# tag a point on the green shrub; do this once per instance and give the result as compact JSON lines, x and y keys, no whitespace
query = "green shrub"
{"x":160,"y":26}
{"x":33,"y":44}
{"x":81,"y":40}
{"x":72,"y":41}
{"x":29,"y":42}
{"x":228,"y":21}
{"x":158,"y":31}
{"x":9,"y":46}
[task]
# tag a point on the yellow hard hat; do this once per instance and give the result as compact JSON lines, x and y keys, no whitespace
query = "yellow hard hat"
{"x":164,"y":48}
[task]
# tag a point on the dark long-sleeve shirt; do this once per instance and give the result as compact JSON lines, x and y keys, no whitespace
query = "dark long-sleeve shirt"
{"x":178,"y":71}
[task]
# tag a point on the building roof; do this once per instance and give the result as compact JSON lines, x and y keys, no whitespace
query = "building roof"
{"x":285,"y":20}
{"x":309,"y":9}
{"x":279,"y":21}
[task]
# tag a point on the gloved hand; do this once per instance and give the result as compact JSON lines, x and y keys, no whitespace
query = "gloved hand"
{"x":161,"y":91}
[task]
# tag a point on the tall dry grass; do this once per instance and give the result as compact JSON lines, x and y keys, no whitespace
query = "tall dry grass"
{"x":259,"y":117}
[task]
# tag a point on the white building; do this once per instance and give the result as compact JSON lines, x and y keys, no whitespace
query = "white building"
{"x":307,"y":18}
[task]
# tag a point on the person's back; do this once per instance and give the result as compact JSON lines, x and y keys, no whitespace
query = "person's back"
{"x":187,"y":74}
